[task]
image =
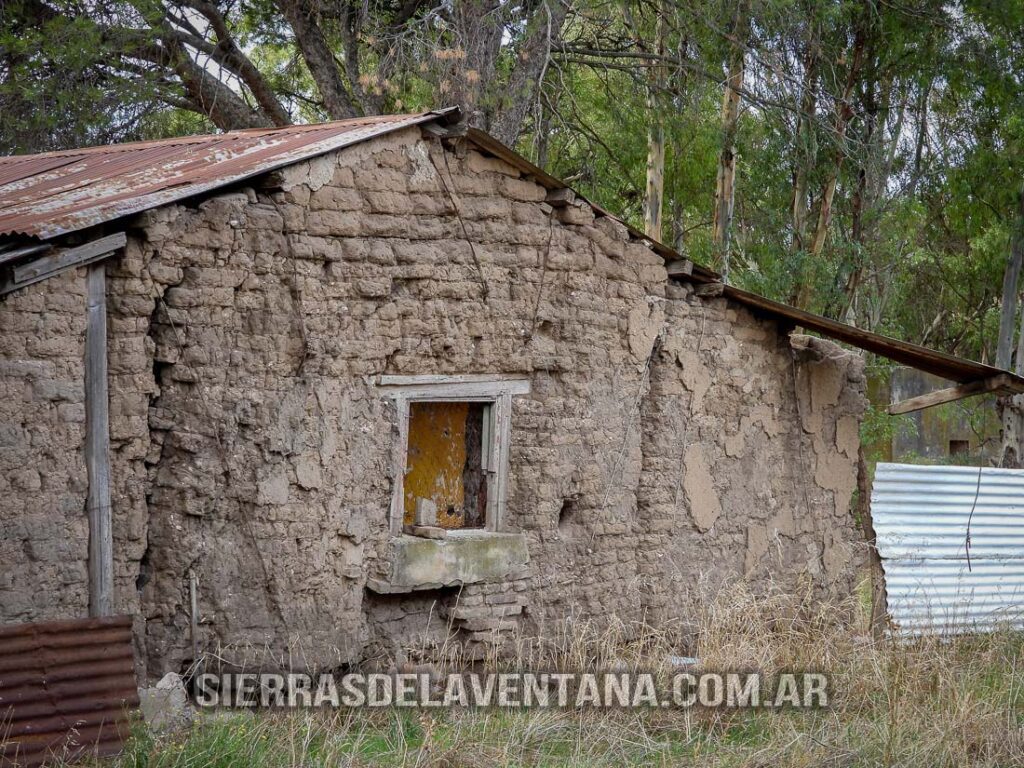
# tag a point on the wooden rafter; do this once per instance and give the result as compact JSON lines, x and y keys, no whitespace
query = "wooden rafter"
{"x":1001,"y":383}
{"x":54,"y":263}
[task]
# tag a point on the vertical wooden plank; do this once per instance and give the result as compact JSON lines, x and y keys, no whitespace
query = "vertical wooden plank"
{"x":493,"y":451}
{"x":97,"y":446}
{"x":401,"y":458}
{"x":193,"y":614}
{"x":503,"y":435}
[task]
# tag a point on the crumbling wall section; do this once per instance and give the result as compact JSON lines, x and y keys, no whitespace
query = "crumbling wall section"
{"x":664,"y":439}
{"x":43,"y":526}
{"x":270,"y":457}
{"x":750,"y":458}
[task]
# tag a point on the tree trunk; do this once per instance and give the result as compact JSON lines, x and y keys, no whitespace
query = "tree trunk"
{"x":1011,"y":409}
{"x":922,"y":137}
{"x":478,"y":25}
{"x":211,"y":97}
{"x":678,"y":226}
{"x":725,"y":187}
{"x":532,"y":57}
{"x":844,"y":111}
{"x":872,"y":176}
{"x":654,"y":193}
{"x":316,"y":53}
{"x":806,"y":151}
{"x":1011,"y":274}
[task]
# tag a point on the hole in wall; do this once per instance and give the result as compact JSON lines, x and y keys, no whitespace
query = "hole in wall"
{"x":568,"y":517}
{"x":547,"y":328}
{"x":145,"y":571}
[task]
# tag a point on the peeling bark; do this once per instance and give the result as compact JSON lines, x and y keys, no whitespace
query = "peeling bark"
{"x":1011,"y":409}
{"x":654,"y":193}
{"x":806,"y":151}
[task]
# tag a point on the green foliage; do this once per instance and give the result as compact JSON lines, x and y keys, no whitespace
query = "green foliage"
{"x":877,"y":430}
{"x":926,"y":160}
{"x":55,"y":88}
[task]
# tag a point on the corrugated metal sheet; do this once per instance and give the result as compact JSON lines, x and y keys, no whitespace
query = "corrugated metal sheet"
{"x":67,"y":689}
{"x":59,"y":192}
{"x":920,"y":516}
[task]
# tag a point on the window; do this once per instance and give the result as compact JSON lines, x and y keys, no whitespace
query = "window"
{"x":959,"y":447}
{"x":446,"y":462}
{"x":452,"y":453}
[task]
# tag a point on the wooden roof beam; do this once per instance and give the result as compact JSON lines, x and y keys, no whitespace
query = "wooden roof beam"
{"x":1001,"y":383}
{"x":54,"y":263}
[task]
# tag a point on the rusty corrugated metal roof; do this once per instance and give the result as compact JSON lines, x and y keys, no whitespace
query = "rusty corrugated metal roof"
{"x":67,"y":689}
{"x":55,"y":193}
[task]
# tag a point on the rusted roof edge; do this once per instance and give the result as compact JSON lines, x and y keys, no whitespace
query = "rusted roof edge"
{"x":83,"y":219}
{"x":914,"y":355}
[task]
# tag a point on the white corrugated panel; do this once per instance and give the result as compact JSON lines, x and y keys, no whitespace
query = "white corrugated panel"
{"x":934,"y":583}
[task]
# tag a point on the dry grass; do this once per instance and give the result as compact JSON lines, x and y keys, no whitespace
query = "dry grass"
{"x":934,"y":702}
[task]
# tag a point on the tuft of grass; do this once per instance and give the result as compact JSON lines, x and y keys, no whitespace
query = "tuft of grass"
{"x":938,"y":701}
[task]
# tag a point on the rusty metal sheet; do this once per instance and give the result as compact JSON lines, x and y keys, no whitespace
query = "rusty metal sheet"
{"x":67,"y":689}
{"x":55,"y":193}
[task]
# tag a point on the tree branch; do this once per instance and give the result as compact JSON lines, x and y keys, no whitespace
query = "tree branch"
{"x":316,"y":52}
{"x":227,"y":54}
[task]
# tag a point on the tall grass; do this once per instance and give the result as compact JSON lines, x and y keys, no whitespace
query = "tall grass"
{"x":954,"y":701}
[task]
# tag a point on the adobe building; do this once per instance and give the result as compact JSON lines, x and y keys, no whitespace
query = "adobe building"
{"x":234,"y":368}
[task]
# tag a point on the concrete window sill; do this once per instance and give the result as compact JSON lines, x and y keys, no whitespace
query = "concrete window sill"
{"x":465,"y":557}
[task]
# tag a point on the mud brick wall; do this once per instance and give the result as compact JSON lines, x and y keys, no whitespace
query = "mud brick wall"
{"x":663,"y":437}
{"x":43,"y":527}
{"x":751,"y":458}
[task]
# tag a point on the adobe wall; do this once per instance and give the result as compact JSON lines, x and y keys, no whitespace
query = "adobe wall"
{"x":664,"y":436}
{"x":43,"y":528}
{"x":752,"y":450}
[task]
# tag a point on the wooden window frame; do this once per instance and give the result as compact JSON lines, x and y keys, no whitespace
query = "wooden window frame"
{"x":496,"y":391}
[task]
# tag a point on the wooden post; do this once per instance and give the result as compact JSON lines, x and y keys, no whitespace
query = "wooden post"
{"x":97,"y":446}
{"x":193,"y":619}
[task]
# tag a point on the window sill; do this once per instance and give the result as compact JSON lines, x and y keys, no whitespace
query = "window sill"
{"x":465,"y":557}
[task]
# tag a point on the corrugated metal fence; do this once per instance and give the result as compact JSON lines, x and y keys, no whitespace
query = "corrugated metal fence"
{"x":934,"y":581}
{"x":67,"y":689}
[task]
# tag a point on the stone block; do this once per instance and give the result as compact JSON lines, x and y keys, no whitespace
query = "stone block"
{"x":165,"y":706}
{"x":465,"y":557}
